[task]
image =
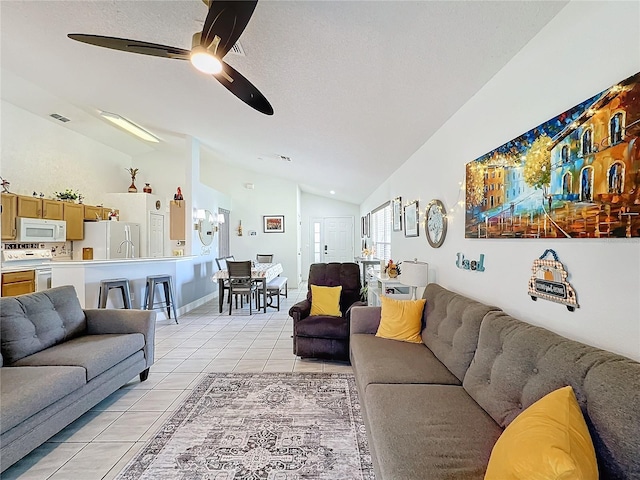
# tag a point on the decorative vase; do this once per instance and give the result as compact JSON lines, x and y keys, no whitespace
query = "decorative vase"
{"x":147,"y":188}
{"x":132,"y":187}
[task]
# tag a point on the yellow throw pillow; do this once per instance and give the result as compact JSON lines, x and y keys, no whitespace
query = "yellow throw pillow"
{"x":325,"y":300}
{"x":548,"y":441}
{"x":401,"y":319}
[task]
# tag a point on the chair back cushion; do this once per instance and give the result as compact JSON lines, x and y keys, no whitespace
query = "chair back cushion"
{"x":239,"y":273}
{"x":222,"y":263}
{"x":30,"y":323}
{"x":264,"y":258}
{"x":336,"y":274}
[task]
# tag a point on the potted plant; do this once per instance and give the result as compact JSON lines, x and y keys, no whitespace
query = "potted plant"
{"x":68,"y":195}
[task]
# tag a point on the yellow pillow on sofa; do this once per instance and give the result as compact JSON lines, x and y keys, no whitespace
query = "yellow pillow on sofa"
{"x":325,"y":300}
{"x":401,"y":319}
{"x":548,"y":441}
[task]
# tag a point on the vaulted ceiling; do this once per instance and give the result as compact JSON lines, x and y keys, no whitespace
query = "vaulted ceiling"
{"x":357,"y":86}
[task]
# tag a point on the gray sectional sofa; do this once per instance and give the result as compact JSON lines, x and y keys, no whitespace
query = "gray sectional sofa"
{"x":59,"y":360}
{"x":435,"y":410}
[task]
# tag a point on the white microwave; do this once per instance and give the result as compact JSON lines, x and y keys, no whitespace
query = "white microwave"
{"x":31,"y":230}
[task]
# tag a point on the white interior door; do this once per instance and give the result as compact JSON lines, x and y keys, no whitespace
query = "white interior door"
{"x":156,"y":235}
{"x":331,"y":239}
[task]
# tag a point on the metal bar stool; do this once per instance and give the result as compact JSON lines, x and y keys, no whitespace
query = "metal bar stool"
{"x":106,"y":285}
{"x":169,"y":299}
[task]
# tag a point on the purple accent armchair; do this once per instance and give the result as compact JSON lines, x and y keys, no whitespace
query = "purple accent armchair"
{"x":324,"y":336}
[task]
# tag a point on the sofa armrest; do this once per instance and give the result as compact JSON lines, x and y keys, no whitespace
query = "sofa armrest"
{"x":365,"y":319}
{"x":300,"y":310}
{"x":105,"y":321}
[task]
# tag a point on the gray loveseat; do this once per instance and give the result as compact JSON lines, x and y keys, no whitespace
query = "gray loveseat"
{"x":435,"y":410}
{"x":58,"y":361}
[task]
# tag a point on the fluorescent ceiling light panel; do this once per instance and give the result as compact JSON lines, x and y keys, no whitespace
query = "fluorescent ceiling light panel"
{"x":130,"y":126}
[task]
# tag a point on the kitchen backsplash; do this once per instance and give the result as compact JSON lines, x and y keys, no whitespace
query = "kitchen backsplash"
{"x":62,"y":249}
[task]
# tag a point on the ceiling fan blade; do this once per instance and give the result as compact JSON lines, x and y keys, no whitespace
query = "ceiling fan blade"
{"x":132,"y":46}
{"x":243,"y":89}
{"x":226,"y":20}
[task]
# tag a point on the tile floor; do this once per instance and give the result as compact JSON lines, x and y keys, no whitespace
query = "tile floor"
{"x":101,"y":442}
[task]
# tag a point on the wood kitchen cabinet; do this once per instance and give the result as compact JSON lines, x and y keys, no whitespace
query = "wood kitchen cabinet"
{"x":32,"y":207}
{"x":177,"y":219}
{"x":92,"y":213}
{"x":18,"y":283}
{"x":29,"y":207}
{"x":9,"y":214}
{"x":106,"y":211}
{"x":74,"y":216}
{"x":52,"y":209}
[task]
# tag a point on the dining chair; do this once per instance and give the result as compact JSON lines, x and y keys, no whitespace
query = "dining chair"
{"x":240,"y":283}
{"x":222,"y":265}
{"x":264,"y":258}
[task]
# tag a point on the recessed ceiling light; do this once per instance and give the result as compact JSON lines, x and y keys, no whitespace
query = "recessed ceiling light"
{"x":332,"y":192}
{"x":130,"y":127}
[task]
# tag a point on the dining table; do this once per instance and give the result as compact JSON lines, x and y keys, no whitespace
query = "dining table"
{"x":260,"y":272}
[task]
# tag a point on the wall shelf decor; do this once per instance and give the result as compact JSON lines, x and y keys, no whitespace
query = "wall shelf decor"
{"x":574,"y":176}
{"x":396,"y":207}
{"x":411,"y":219}
{"x":549,"y":281}
{"x":435,"y":225}
{"x":273,"y":223}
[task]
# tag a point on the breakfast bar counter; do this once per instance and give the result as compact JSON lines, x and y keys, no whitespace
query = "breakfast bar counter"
{"x":86,"y":275}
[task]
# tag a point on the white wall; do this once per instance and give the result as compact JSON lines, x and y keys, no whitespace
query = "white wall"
{"x":37,"y":154}
{"x":314,"y":206}
{"x":270,"y":196}
{"x":578,"y":54}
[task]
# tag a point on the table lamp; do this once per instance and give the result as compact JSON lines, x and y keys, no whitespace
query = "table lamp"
{"x":414,"y":274}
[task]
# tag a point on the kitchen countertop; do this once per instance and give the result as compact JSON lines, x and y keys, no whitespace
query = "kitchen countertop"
{"x":76,"y":263}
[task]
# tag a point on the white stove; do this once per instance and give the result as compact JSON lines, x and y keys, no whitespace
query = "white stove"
{"x":38,"y":259}
{"x":25,"y":258}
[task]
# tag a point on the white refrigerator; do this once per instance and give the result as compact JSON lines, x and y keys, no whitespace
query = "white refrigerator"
{"x":109,"y":239}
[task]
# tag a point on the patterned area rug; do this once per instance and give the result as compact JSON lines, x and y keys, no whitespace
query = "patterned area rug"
{"x":262,"y":426}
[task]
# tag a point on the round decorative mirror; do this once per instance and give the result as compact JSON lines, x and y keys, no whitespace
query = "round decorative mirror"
{"x":206,"y":228}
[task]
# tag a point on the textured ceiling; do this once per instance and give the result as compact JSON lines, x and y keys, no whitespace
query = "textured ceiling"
{"x":357,"y":86}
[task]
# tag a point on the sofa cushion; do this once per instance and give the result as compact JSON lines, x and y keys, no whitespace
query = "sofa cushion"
{"x":347,"y":275}
{"x":452,"y":326}
{"x":549,"y":440}
{"x":516,"y":364}
{"x":379,"y":360}
{"x":401,"y":319}
{"x":323,"y":326}
{"x":95,"y":353}
{"x":24,"y":391}
{"x":325,"y":300}
{"x":429,"y":431}
{"x":30,"y":323}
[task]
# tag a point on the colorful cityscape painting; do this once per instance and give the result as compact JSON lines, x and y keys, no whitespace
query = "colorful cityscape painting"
{"x":574,"y":176}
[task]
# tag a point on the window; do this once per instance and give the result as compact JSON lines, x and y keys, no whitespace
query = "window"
{"x":566,"y":183}
{"x":615,"y":127}
{"x":616,"y":177}
{"x":381,"y":224}
{"x":565,"y":154}
{"x":587,"y":144}
{"x":317,"y":244}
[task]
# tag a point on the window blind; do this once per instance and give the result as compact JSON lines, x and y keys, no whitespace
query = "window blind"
{"x":381,"y":225}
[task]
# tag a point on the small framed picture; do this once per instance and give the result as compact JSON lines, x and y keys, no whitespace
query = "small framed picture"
{"x":368,"y":223}
{"x":363,"y":230}
{"x":411,"y":218}
{"x":273,"y":223}
{"x":397,"y":214}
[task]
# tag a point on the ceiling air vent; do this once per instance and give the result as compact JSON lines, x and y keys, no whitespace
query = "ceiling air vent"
{"x":237,"y":49}
{"x":59,"y":117}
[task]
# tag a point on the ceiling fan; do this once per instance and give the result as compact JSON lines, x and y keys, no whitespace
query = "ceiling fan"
{"x":225,"y":22}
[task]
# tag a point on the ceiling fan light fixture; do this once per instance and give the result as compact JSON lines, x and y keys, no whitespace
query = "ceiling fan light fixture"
{"x":129,"y":126}
{"x":204,"y":61}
